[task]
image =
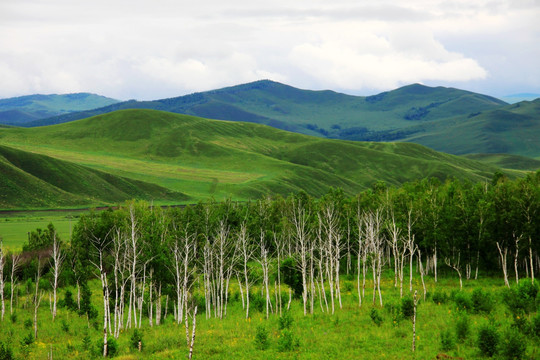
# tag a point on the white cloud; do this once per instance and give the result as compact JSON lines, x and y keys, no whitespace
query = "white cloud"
{"x":147,"y":49}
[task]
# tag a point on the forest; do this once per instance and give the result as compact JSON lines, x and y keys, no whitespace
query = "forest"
{"x":152,"y":262}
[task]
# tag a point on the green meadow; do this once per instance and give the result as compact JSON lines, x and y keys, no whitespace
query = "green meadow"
{"x":172,"y":159}
{"x":349,"y":333}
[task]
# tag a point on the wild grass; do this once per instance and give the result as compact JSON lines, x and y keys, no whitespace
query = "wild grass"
{"x":348,"y":334}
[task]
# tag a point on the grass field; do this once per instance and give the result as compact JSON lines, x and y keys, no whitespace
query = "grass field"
{"x":202,"y":158}
{"x":350,"y":333}
{"x":14,"y":227}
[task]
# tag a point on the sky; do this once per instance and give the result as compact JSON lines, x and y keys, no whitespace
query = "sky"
{"x":145,"y":50}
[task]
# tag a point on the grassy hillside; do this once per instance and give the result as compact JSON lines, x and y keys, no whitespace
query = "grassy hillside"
{"x":37,"y":181}
{"x":24,"y":109}
{"x":512,"y":129}
{"x":320,"y":113}
{"x":507,"y":161}
{"x":205,"y":158}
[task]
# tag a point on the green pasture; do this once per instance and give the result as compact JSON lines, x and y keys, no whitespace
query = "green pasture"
{"x":349,"y":333}
{"x":14,"y":228}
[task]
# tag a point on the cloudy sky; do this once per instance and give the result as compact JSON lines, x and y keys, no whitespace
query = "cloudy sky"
{"x":146,"y":49}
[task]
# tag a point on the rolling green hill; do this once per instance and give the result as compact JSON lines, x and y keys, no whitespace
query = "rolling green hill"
{"x":208,"y":158}
{"x":319,"y":113}
{"x":37,"y":181}
{"x":24,"y":109}
{"x":512,"y":129}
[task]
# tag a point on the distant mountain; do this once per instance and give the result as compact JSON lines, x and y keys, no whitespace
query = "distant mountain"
{"x":37,"y":181}
{"x":515,"y":98}
{"x":216,"y":159}
{"x":319,"y":113}
{"x":24,"y":109}
{"x":511,"y":129}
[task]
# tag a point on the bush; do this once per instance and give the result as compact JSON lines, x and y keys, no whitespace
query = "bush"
{"x":292,"y":276}
{"x":13,"y":317}
{"x":27,"y":340}
{"x":463,"y":301}
{"x":27,"y":324}
{"x":256,"y":302}
{"x":439,"y":297}
{"x":522,"y":298}
{"x":68,"y":300}
{"x":65,"y":326}
{"x":488,"y":340}
{"x":287,"y":341}
{"x":376,"y":317}
{"x":394,"y":309}
{"x":86,"y":342}
{"x":481,"y":301}
{"x":261,"y":338}
{"x":535,"y":325}
{"x":112,"y":347}
{"x":407,"y":307}
{"x":513,"y":345}
{"x":5,"y":352}
{"x":135,"y":339}
{"x":447,"y":341}
{"x":463,"y":328}
{"x":520,"y":323}
{"x":285,"y":321}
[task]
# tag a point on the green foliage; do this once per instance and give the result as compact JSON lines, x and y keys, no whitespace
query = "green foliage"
{"x":27,"y":340}
{"x":522,"y":298}
{"x":287,"y":341}
{"x":439,"y":297}
{"x":65,"y":326}
{"x":112,"y":347}
{"x":86,"y":303}
{"x":69,"y":303}
{"x":262,"y":340}
{"x":407,"y":307}
{"x":86,"y":342}
{"x":463,"y":328}
{"x":375,"y":317}
{"x":136,"y":339}
{"x":488,"y":340}
{"x":292,"y":276}
{"x":463,"y":301}
{"x":447,"y":340}
{"x":513,"y":345}
{"x":27,"y":324}
{"x":5,"y":352}
{"x":13,"y":317}
{"x":40,"y":239}
{"x":285,"y":321}
{"x":482,"y":301}
{"x":535,"y":325}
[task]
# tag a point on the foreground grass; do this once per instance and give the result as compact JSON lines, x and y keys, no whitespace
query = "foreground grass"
{"x":348,"y":334}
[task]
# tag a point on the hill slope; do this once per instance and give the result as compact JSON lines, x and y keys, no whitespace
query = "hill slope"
{"x":320,"y":113}
{"x":24,"y":109}
{"x":205,"y":158}
{"x":36,"y":181}
{"x":512,"y":129}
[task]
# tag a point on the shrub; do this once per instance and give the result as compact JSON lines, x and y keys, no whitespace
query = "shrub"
{"x":135,"y":339}
{"x":488,"y":340}
{"x":520,"y":323}
{"x":447,"y":341}
{"x":68,"y":300}
{"x":5,"y":352}
{"x":13,"y":317}
{"x":463,"y":301}
{"x":394,"y":309}
{"x":481,"y":301}
{"x":112,"y":347}
{"x":407,"y":307}
{"x":65,"y":326}
{"x":292,"y":276}
{"x":86,"y":342}
{"x":256,"y":302}
{"x":27,"y":324}
{"x":285,"y":321}
{"x":261,"y":338}
{"x":439,"y":297}
{"x":535,"y":325}
{"x":287,"y":341}
{"x":463,"y":328}
{"x":376,"y":317}
{"x":522,"y":298}
{"x":27,"y":340}
{"x":513,"y":345}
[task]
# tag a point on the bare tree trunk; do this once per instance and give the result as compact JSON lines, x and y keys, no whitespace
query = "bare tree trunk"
{"x":414,"y":324}
{"x":193,"y":333}
{"x":516,"y":241}
{"x":503,"y":263}
{"x":57,"y":260}
{"x":2,"y":284}
{"x":15,"y":259}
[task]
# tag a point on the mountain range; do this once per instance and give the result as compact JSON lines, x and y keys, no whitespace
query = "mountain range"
{"x":446,"y":119}
{"x":24,"y":109}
